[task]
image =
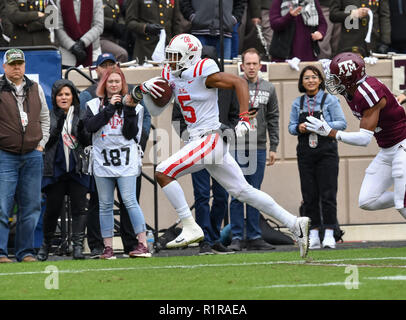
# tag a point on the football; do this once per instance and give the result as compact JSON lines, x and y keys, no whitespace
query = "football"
{"x":166,"y":95}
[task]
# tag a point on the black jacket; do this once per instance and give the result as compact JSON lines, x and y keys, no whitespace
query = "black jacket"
{"x":58,"y":116}
{"x":94,"y":122}
{"x":204,"y":15}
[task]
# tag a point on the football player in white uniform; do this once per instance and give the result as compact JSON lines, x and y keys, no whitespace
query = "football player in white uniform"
{"x":194,"y":82}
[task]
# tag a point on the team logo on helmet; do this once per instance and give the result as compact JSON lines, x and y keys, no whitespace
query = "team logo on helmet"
{"x":346,"y":68}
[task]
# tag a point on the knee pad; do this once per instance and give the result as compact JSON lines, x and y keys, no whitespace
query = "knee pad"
{"x":399,"y":165}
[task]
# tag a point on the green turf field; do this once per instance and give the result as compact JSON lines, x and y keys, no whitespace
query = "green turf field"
{"x":377,"y":273}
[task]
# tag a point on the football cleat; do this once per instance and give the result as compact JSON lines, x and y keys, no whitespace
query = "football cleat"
{"x":190,"y":234}
{"x":301,"y":233}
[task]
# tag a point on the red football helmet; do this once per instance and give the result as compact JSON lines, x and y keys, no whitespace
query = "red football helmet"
{"x":346,"y":70}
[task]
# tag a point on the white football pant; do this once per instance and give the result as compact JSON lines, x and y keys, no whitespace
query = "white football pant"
{"x":211,"y":152}
{"x":388,"y":168}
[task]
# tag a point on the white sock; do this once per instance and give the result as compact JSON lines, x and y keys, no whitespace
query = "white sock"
{"x":314,"y":233}
{"x":329,"y":233}
{"x":175,"y":195}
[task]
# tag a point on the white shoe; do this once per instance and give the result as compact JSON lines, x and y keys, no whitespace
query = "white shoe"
{"x":329,"y":242}
{"x":190,"y":234}
{"x":301,"y":232}
{"x":314,"y":243}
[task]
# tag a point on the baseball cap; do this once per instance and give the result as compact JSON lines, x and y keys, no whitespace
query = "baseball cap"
{"x":12,"y":55}
{"x":104,"y":57}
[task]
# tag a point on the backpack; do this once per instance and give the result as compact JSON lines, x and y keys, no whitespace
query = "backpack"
{"x":168,"y":235}
{"x":271,"y":235}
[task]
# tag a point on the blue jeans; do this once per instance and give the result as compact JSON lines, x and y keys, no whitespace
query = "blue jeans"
{"x":105,"y":191}
{"x":209,"y":220}
{"x":20,"y":180}
{"x":214,"y":41}
{"x":237,"y":208}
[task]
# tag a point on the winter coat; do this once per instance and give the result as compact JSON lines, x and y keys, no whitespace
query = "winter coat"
{"x":53,"y":163}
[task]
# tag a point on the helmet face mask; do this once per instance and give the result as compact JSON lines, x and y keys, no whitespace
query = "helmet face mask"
{"x":347,"y":69}
{"x":334,"y":85}
{"x":182,"y":52}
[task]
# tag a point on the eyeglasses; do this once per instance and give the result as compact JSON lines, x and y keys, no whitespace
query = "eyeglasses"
{"x":307,"y":78}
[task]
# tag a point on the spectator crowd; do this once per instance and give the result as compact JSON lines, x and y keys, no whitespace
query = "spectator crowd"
{"x":107,"y":33}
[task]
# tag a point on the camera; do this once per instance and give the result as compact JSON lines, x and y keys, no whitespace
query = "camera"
{"x":136,"y":95}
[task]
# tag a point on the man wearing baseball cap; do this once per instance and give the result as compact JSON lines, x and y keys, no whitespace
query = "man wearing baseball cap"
{"x":24,"y":131}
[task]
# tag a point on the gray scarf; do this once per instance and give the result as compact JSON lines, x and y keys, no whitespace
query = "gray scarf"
{"x":309,"y":12}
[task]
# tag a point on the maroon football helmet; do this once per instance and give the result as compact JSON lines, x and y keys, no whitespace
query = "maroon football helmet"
{"x":346,"y":70}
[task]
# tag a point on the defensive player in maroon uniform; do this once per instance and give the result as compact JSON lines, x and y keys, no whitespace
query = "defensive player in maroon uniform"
{"x":381,"y":116}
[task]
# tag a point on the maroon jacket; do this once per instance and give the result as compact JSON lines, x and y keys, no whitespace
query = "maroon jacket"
{"x":302,"y":40}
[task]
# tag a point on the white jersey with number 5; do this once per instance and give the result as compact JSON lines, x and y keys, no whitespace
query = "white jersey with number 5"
{"x":197,"y":102}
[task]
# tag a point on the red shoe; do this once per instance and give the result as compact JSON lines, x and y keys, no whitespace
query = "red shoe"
{"x":108,"y":254}
{"x":140,"y":251}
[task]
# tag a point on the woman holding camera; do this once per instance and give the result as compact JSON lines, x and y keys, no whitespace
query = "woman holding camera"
{"x":63,"y":167}
{"x":115,"y":120}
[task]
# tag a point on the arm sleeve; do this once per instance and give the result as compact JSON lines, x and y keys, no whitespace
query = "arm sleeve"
{"x":361,"y":138}
{"x":146,"y":127}
{"x":279,"y":23}
{"x":84,"y":97}
{"x":16,"y":16}
{"x":94,"y":122}
{"x":238,"y":9}
{"x":294,"y":118}
{"x":130,"y":126}
{"x":84,"y":136}
{"x":64,"y":40}
{"x":322,"y":28}
{"x":254,"y":8}
{"x":97,"y":24}
{"x":234,"y":113}
{"x":384,"y":22}
{"x":44,"y":118}
{"x":272,"y":119}
{"x":186,"y":8}
{"x":337,"y":13}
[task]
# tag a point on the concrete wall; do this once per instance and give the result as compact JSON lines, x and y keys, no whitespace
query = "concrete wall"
{"x":281,"y":180}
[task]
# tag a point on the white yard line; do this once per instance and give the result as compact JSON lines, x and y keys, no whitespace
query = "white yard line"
{"x":327,"y":284}
{"x":401,"y":278}
{"x":323,"y":262}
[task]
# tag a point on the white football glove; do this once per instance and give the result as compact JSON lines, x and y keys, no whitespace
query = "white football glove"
{"x":242,"y":127}
{"x":150,"y":87}
{"x":319,"y":126}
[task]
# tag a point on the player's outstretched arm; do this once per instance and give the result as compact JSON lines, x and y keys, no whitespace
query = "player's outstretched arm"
{"x":369,"y":122}
{"x":223,"y":80}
